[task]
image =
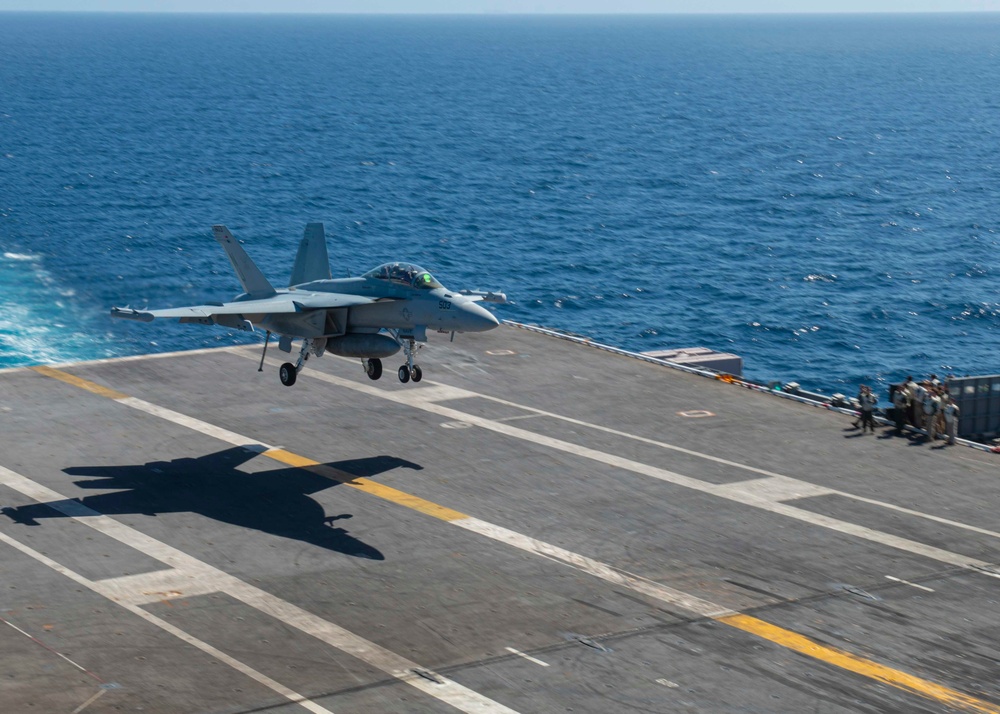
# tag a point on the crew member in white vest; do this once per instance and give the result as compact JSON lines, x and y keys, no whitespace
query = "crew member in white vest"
{"x":932,"y":404}
{"x":917,"y":395}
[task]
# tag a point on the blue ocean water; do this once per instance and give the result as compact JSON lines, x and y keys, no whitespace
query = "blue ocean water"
{"x":818,"y":194}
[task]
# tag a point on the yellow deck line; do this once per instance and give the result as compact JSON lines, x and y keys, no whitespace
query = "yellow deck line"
{"x":859,"y":665}
{"x":747,"y":623}
{"x":387,"y":493}
{"x":80,"y":382}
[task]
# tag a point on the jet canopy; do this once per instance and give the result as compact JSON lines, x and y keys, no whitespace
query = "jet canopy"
{"x":404,"y":274}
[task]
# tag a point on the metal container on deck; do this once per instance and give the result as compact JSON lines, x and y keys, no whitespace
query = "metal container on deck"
{"x":978,"y":400}
{"x":702,"y":357}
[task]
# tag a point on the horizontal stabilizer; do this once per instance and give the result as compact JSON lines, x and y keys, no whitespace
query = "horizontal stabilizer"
{"x":253,"y":281}
{"x":312,"y":261}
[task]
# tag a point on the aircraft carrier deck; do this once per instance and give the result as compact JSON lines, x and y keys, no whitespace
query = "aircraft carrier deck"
{"x":537,"y":526}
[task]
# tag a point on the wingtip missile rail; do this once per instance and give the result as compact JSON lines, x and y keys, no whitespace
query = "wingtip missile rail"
{"x":494,"y":296}
{"x":128,"y":313}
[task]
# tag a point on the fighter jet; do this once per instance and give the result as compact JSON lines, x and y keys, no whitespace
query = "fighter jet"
{"x":368,"y":317}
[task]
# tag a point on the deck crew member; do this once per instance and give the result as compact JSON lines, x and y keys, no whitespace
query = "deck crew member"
{"x":950,"y":420}
{"x":901,"y":403}
{"x":857,"y":400}
{"x":932,"y":404}
{"x":910,"y":386}
{"x":867,"y":400}
{"x":943,"y":396}
{"x":917,"y":395}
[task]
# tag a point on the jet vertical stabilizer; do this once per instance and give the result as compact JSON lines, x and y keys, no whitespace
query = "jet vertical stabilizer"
{"x":255,"y":285}
{"x":312,"y":261}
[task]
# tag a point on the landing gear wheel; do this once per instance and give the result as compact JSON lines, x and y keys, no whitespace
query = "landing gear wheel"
{"x":287,"y":373}
{"x":404,"y":374}
{"x":416,"y":373}
{"x":374,"y":368}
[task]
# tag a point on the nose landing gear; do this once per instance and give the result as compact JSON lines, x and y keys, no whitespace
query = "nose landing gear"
{"x":409,"y":370}
{"x":406,"y":373}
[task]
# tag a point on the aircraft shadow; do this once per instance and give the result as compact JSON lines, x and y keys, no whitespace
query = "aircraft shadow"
{"x":275,"y":502}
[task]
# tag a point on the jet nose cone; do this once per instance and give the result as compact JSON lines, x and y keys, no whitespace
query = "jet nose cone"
{"x":476,"y":318}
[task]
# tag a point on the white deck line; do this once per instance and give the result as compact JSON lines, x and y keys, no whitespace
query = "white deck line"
{"x":431,"y":391}
{"x":690,"y":604}
{"x":608,"y":573}
{"x":239,"y":666}
{"x":732,"y":492}
{"x":794,"y":488}
{"x":444,"y":690}
{"x":528,"y":657}
{"x":747,"y":494}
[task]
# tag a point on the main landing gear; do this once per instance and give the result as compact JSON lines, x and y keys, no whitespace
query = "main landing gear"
{"x":373,"y":367}
{"x":288,"y":372}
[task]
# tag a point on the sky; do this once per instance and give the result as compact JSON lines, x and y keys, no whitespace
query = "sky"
{"x":506,"y":6}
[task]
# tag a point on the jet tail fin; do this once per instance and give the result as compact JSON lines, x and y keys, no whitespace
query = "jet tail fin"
{"x":312,"y":261}
{"x":253,"y":281}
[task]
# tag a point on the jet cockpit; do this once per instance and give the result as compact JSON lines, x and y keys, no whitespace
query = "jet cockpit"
{"x":404,"y":274}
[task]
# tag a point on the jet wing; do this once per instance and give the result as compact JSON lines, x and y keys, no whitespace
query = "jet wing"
{"x":279,"y":304}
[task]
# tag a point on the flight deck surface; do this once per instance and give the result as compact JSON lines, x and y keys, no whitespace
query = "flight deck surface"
{"x":537,"y":526}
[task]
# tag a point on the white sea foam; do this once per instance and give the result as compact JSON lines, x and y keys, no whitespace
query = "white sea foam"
{"x":37,"y":323}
